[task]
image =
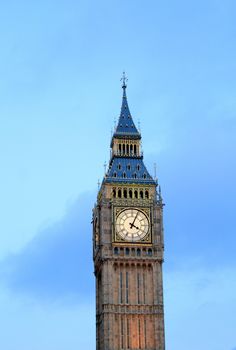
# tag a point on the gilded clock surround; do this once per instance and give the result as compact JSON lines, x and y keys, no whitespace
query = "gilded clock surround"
{"x":118,"y":239}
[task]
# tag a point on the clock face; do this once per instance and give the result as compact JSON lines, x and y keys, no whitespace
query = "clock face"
{"x":132,"y":225}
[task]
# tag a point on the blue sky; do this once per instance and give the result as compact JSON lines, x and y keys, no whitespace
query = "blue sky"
{"x":60,"y":66}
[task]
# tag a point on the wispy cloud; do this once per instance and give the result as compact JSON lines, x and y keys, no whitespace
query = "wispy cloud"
{"x":57,"y":263}
{"x":200,"y":307}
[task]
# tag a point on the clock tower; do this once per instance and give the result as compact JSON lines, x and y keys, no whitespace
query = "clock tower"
{"x":128,"y":247}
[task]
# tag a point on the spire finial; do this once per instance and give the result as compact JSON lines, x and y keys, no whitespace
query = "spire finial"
{"x":124,"y":80}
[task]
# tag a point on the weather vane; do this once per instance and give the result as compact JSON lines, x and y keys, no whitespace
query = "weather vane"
{"x":124,"y":80}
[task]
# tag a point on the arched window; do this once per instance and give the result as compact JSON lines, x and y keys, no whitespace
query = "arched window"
{"x":119,"y":193}
{"x":124,"y":175}
{"x":135,"y":150}
{"x":135,"y":175}
{"x":127,"y":149}
{"x":130,"y":194}
{"x":138,"y":252}
{"x":126,"y":251}
{"x":123,"y":148}
{"x":131,"y":149}
{"x":119,"y":148}
{"x":115,"y":174}
{"x":125,"y":193}
{"x":128,"y":167}
{"x":144,"y":176}
{"x":119,"y":166}
{"x":138,"y":167}
{"x":146,"y":194}
{"x":141,"y":194}
{"x":135,"y":194}
{"x":114,"y":192}
{"x":116,"y":251}
{"x":149,"y":252}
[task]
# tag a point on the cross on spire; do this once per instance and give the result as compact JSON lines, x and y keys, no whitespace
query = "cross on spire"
{"x":124,"y":80}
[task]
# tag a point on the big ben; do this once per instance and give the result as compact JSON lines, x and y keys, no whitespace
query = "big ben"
{"x":128,"y":246}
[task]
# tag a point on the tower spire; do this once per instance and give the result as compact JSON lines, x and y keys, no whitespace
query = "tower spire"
{"x":126,"y":126}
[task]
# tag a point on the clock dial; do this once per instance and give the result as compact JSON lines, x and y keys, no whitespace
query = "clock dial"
{"x":132,"y":225}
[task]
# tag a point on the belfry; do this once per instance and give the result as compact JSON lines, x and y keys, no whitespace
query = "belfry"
{"x":128,"y":247}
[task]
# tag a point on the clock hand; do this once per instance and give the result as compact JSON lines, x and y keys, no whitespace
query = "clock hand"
{"x":132,"y":225}
{"x":135,"y":218}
